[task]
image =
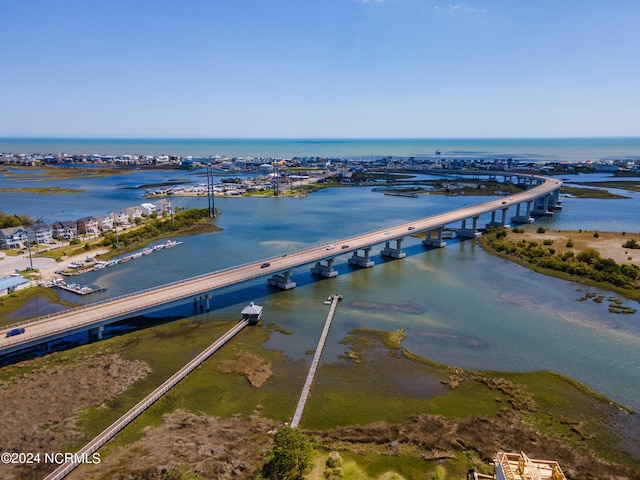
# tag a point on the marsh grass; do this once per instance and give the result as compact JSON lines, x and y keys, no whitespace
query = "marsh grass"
{"x":389,"y":385}
{"x":207,"y":390}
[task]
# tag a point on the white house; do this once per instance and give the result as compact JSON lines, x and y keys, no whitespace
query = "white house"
{"x":41,"y":233}
{"x":88,"y":225}
{"x":148,"y":208}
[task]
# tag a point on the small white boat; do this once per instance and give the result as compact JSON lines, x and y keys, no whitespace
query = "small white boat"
{"x":171,"y":243}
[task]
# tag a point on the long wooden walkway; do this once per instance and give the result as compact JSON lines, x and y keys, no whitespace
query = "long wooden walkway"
{"x":314,"y":363}
{"x":86,"y":451}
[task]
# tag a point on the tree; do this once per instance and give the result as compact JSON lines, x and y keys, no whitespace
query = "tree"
{"x":290,"y":456}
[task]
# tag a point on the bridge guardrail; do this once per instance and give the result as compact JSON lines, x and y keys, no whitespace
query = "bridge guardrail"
{"x":212,"y":275}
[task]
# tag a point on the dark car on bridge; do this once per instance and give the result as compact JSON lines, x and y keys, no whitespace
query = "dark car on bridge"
{"x":265,"y":265}
{"x":14,"y":332}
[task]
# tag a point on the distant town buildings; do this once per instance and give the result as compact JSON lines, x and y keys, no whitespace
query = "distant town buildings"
{"x":266,"y":169}
{"x":264,"y":165}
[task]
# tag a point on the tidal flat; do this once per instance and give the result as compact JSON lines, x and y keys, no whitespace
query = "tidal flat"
{"x":380,"y":394}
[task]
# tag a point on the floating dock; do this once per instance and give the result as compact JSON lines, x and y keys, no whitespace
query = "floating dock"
{"x":76,"y":288}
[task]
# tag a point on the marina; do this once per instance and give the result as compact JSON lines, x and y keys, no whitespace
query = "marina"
{"x":141,"y":253}
{"x":74,"y":287}
{"x":79,"y":268}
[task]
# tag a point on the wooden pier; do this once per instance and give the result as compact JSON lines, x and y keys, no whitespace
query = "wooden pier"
{"x":314,"y":363}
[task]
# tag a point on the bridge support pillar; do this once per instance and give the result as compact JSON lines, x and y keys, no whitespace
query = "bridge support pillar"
{"x":95,"y":333}
{"x":325,"y":270}
{"x":555,"y":202}
{"x":472,"y":232}
{"x":397,"y":252}
{"x":282,"y":280}
{"x":541,"y":207}
{"x":207,"y":297}
{"x":526,"y":218}
{"x":502,"y":222}
{"x":430,"y":241}
{"x":362,"y":261}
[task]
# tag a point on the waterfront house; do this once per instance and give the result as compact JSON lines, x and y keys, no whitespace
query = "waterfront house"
{"x":65,"y":229}
{"x":13,"y":237}
{"x":122,"y":219}
{"x":132,"y":213}
{"x":88,"y":226}
{"x":148,"y":208}
{"x":163,"y":207}
{"x":106,"y":222}
{"x":40,"y":233}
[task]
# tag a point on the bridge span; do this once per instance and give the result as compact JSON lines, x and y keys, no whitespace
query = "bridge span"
{"x":541,"y":198}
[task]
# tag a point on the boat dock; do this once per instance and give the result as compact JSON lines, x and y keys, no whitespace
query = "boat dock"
{"x":144,"y":252}
{"x":334,"y":299}
{"x":75,"y":287}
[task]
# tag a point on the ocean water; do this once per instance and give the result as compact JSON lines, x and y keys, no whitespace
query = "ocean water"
{"x":459,"y":305}
{"x":530,"y":149}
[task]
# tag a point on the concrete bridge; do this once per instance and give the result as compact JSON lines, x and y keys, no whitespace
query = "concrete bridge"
{"x":541,"y":198}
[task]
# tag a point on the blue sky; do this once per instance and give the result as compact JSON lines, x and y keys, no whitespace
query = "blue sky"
{"x":319,"y":68}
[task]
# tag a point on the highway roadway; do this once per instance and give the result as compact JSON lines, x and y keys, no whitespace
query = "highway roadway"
{"x":50,"y":327}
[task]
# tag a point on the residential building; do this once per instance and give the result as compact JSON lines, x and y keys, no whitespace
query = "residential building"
{"x":88,"y":226}
{"x":65,"y":229}
{"x":13,"y":237}
{"x":41,"y":233}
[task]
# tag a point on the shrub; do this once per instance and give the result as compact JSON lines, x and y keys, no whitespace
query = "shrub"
{"x":569,"y":243}
{"x":633,"y":244}
{"x":334,"y":460}
{"x":588,"y":255}
{"x":541,"y":230}
{"x":548,"y":241}
{"x":596,"y":235}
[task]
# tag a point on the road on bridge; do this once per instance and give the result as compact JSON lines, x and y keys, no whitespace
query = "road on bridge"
{"x":54,"y":326}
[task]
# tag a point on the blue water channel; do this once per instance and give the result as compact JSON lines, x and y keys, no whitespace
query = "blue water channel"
{"x":458,"y":305}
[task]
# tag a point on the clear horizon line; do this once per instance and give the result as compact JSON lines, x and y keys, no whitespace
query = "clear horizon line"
{"x":312,"y":138}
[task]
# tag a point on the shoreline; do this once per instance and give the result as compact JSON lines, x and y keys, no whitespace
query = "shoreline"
{"x":609,"y":245}
{"x":511,"y":409}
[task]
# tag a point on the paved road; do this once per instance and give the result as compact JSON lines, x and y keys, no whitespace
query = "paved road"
{"x":54,"y":326}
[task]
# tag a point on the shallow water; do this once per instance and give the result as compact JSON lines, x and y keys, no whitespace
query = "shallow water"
{"x":458,"y":305}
